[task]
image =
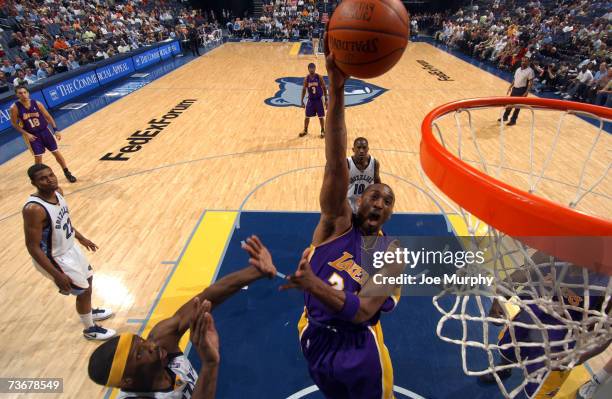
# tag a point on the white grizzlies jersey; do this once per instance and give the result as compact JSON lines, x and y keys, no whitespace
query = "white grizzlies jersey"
{"x":58,"y":234}
{"x":359,"y":180}
{"x":185,"y":378}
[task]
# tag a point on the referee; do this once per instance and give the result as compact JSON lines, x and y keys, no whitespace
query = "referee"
{"x":523,"y":78}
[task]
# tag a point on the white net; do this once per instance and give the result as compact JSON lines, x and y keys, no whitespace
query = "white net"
{"x":543,"y":314}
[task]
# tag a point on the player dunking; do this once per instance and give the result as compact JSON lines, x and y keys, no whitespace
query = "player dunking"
{"x":364,"y":171}
{"x":32,"y":120}
{"x":155,"y":367}
{"x":340,"y":332}
{"x":49,"y":236}
{"x":314,"y":85}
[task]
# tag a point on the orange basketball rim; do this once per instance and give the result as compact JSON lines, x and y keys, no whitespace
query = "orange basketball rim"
{"x":554,"y":228}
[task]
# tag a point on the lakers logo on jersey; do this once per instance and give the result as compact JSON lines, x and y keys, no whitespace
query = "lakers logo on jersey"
{"x":356,"y":92}
{"x":347,"y":264}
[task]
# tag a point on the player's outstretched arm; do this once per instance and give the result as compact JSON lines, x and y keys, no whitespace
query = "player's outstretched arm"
{"x":335,"y":210}
{"x":170,"y":331}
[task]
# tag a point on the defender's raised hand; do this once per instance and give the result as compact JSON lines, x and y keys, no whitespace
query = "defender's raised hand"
{"x":260,"y":257}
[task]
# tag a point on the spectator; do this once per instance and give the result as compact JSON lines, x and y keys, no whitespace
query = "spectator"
{"x":20,"y":79}
{"x":7,"y":68}
{"x":123,"y":47}
{"x":29,"y":76}
{"x":4,"y":86}
{"x":72,"y":62}
{"x":60,"y":43}
{"x":194,"y":39}
{"x":563,"y":36}
{"x":41,"y":72}
{"x":604,"y":96}
{"x":580,"y":83}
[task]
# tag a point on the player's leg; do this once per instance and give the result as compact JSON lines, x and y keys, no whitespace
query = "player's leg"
{"x":363,"y":365}
{"x":38,"y":149}
{"x":319,"y":346}
{"x":60,"y":160}
{"x":77,"y":267}
{"x":310,"y":112}
{"x":321,"y":114}
{"x":49,"y":142}
{"x":305,"y":131}
{"x":322,"y":123}
{"x":589,"y":389}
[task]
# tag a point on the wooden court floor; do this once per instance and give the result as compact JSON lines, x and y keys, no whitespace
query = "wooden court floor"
{"x":213,"y":155}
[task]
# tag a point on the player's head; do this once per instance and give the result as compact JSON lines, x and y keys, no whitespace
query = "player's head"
{"x":312,"y":68}
{"x":42,"y":177}
{"x":127,"y":361}
{"x":22,"y":92}
{"x":360,"y":148}
{"x":374,"y":207}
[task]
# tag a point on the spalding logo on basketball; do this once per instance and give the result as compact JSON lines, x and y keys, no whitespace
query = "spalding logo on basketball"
{"x":368,"y":37}
{"x":356,"y":92}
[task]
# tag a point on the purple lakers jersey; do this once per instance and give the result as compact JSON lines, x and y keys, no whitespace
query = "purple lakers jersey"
{"x":313,"y":84}
{"x":339,"y":263}
{"x":32,"y":119}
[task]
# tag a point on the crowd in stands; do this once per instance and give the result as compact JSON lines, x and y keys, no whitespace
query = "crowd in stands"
{"x":281,"y":19}
{"x":566,"y":41}
{"x":42,"y":38}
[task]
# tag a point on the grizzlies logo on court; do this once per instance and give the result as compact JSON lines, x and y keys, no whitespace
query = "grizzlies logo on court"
{"x":356,"y":92}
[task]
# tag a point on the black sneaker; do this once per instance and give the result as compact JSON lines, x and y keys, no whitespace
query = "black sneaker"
{"x":69,"y":176}
{"x":511,"y":123}
{"x":304,"y":133}
{"x":500,"y":119}
{"x":490,"y":378}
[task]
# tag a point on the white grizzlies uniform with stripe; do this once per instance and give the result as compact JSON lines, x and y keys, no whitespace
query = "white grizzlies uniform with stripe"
{"x":359,"y":180}
{"x":57,"y":243}
{"x":185,"y":378}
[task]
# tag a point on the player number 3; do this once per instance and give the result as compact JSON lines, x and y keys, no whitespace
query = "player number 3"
{"x":336,"y":281}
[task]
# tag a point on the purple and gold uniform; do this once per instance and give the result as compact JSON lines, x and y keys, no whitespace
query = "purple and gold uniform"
{"x":556,"y":337}
{"x":34,"y":122}
{"x":346,"y":360}
{"x":314,"y":105}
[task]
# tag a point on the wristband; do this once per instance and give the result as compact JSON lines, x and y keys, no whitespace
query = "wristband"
{"x":350,"y":308}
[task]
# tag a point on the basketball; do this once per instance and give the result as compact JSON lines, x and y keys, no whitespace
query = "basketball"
{"x":368,"y":37}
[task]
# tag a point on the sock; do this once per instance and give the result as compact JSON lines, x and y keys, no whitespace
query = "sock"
{"x":66,"y":170}
{"x":87,"y":320}
{"x":601,"y":377}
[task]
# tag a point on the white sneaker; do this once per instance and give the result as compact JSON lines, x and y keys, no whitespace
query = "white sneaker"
{"x":99,"y":333}
{"x":101,"y":314}
{"x":587,"y":391}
